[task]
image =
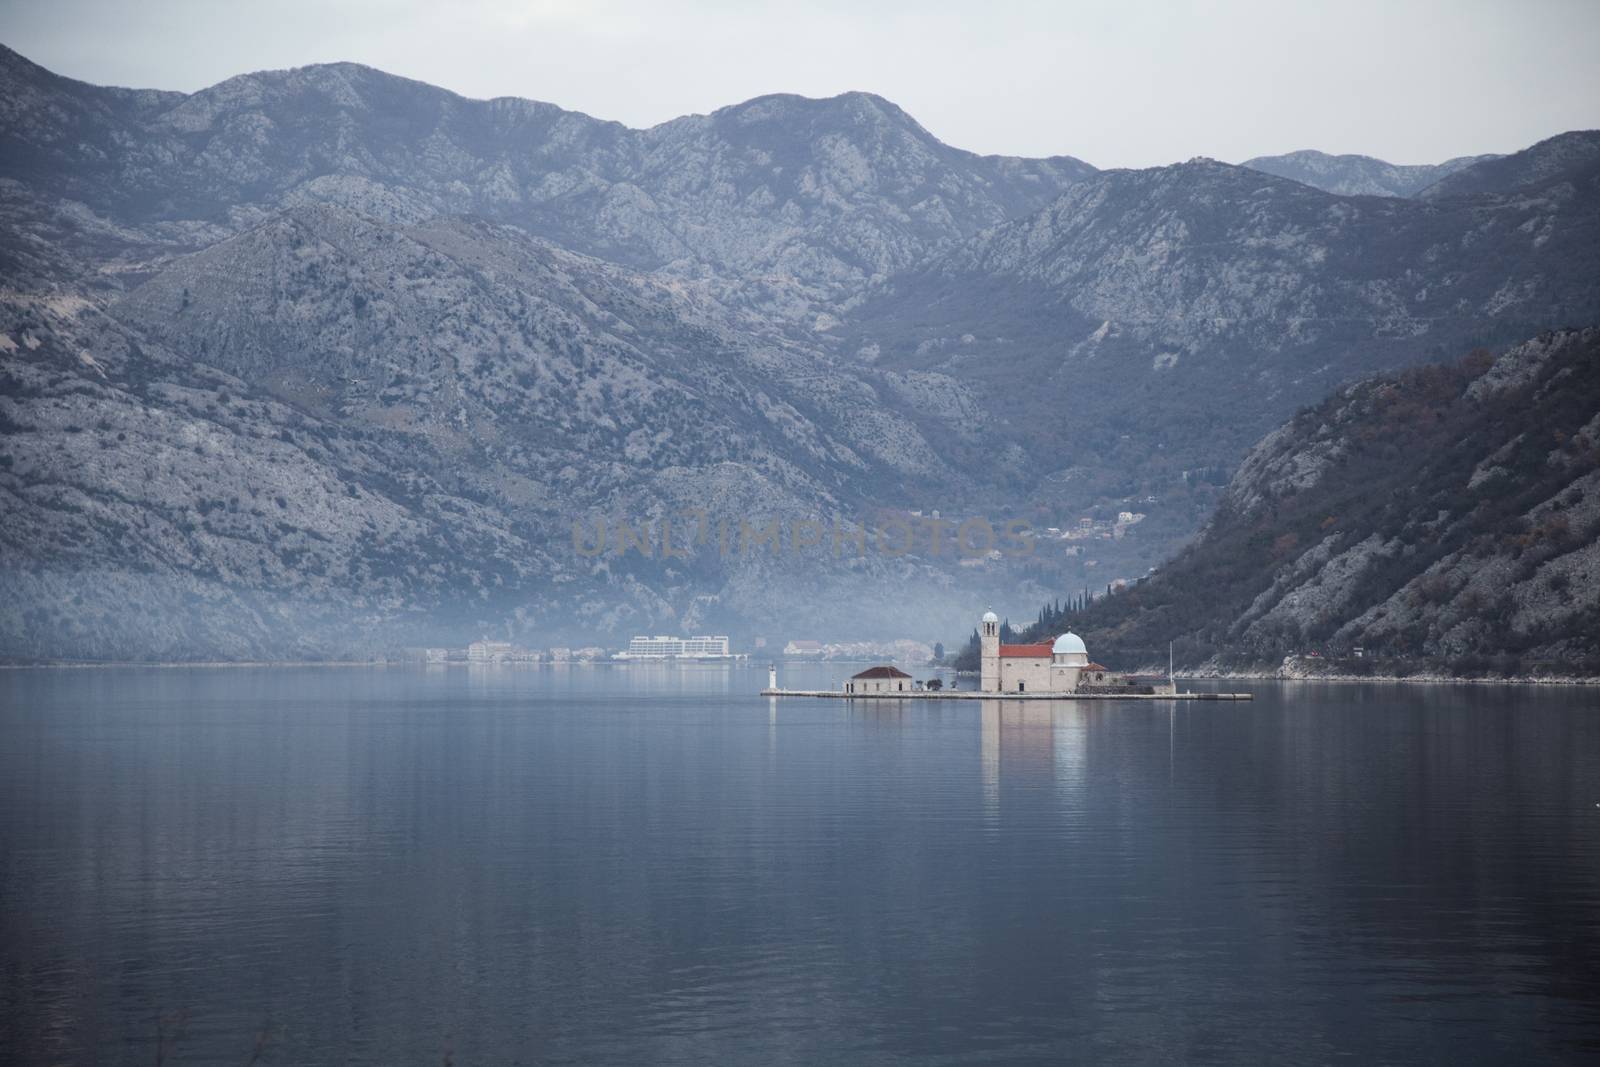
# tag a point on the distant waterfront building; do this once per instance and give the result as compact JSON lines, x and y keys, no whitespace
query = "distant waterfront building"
{"x":660,"y":647}
{"x":488,"y":651}
{"x":804,"y":648}
{"x":884,"y":679}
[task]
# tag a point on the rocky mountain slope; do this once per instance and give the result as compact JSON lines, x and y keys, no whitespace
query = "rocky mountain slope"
{"x":1352,"y":175}
{"x":1151,"y":322}
{"x":1447,"y":519}
{"x":1559,"y":167}
{"x":441,"y":330}
{"x":330,"y":433}
{"x":775,"y":197}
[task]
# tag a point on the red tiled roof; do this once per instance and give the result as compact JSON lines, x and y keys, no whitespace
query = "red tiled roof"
{"x":881,"y":672}
{"x":1025,"y":650}
{"x":1096,"y":667}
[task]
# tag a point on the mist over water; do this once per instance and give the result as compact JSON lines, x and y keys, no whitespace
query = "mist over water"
{"x":654,"y":865}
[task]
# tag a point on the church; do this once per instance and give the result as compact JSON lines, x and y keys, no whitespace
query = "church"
{"x":1059,"y":666}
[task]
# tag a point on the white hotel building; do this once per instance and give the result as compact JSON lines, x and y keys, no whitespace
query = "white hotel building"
{"x":704,"y":647}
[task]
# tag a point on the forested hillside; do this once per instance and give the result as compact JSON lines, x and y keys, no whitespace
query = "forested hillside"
{"x":1443,"y":519}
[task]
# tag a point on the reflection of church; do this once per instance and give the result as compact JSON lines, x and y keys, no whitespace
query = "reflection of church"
{"x":1059,"y":666}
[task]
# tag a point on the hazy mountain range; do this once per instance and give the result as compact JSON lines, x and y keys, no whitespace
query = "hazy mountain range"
{"x":1351,"y":175}
{"x":325,"y":361}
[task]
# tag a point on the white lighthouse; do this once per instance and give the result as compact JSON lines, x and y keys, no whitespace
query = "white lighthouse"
{"x":989,"y":653}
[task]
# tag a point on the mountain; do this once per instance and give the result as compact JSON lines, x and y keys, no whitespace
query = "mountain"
{"x":777,"y":196}
{"x":1351,"y":175}
{"x":1155,"y":321}
{"x":446,"y":334}
{"x":1564,"y":165}
{"x":331,"y":433}
{"x":1446,"y":519}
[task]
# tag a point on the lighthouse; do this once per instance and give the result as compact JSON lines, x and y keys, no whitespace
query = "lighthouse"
{"x":772,"y":676}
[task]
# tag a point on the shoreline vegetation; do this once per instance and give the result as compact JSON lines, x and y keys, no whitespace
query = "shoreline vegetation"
{"x":1318,"y":669}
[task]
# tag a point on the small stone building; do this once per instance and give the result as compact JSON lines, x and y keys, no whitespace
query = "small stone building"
{"x":883,"y":679}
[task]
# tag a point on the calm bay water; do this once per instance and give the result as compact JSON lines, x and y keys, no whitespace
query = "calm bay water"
{"x":635,"y":865}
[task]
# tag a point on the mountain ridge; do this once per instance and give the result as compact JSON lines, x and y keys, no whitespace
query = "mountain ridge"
{"x":1358,"y":175}
{"x":401,"y":148}
{"x":462,"y":342}
{"x":1169,"y":288}
{"x":1573,"y":156}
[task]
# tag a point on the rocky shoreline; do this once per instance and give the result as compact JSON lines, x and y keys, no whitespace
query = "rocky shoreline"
{"x":1289,"y":674}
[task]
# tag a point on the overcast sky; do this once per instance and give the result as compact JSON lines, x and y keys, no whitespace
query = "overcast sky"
{"x":1114,"y":82}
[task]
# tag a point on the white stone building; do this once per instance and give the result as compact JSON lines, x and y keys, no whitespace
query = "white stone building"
{"x":879,"y":680}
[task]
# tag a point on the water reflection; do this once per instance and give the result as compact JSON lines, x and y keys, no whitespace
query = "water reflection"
{"x":1033,"y":742}
{"x":991,"y":763}
{"x":1071,"y":725}
{"x":585,"y":865}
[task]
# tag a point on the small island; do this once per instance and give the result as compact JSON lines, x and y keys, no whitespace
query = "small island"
{"x":1050,"y":670}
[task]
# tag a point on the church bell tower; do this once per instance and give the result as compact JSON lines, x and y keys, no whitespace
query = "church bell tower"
{"x":989,"y":653}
